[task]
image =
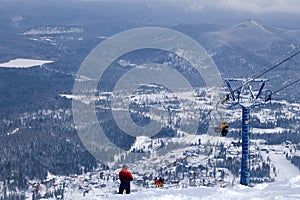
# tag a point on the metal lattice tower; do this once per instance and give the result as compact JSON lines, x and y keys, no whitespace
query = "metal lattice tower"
{"x":247,"y":97}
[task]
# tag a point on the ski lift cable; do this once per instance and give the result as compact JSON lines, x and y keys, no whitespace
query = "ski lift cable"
{"x":266,"y":70}
{"x":283,"y":57}
{"x":209,"y":115}
{"x":252,"y":79}
{"x":288,"y":85}
{"x":255,"y":77}
{"x":277,"y":65}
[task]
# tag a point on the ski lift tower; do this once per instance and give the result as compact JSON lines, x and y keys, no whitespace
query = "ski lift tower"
{"x":248,"y":96}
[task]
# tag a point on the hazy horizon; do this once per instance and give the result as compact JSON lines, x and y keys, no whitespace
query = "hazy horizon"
{"x":282,"y":13}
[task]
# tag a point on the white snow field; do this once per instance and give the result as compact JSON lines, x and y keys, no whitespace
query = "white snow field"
{"x":280,"y":190}
{"x":277,"y":190}
{"x":24,"y":63}
{"x":285,"y":187}
{"x":285,"y":170}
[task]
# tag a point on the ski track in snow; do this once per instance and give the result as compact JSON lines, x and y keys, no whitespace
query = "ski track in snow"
{"x":285,"y":169}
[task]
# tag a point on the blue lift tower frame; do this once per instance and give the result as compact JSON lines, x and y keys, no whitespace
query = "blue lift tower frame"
{"x":247,"y":98}
{"x":245,"y":161}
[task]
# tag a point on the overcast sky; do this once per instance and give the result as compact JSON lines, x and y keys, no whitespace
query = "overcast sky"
{"x":281,"y":13}
{"x":252,"y":6}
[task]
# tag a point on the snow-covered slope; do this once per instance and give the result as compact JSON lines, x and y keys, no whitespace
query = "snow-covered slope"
{"x":289,"y":189}
{"x":240,"y":34}
{"x":279,"y":190}
{"x":285,"y":170}
{"x":255,"y":39}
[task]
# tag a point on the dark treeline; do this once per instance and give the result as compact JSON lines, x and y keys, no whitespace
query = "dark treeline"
{"x":30,"y":155}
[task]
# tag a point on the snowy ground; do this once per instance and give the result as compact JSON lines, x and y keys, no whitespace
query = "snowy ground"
{"x":289,"y":189}
{"x":285,"y":187}
{"x":277,"y":190}
{"x":24,"y":63}
{"x":285,"y":169}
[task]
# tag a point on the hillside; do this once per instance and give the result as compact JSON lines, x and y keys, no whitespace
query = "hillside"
{"x":39,"y":140}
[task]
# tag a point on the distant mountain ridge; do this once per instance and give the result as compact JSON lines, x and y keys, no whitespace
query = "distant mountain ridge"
{"x":248,"y":47}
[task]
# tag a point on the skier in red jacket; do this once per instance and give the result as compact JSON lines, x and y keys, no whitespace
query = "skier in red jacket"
{"x":125,"y":177}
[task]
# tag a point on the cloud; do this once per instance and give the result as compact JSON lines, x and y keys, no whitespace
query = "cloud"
{"x":251,"y":6}
{"x":265,"y":6}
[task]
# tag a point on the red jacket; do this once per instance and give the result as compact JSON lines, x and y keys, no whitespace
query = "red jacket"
{"x":125,"y":177}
